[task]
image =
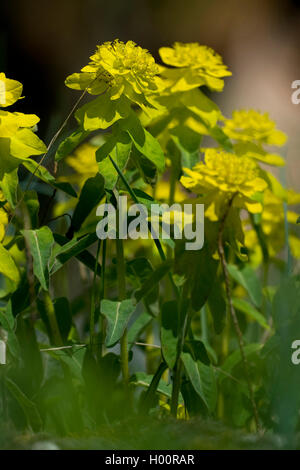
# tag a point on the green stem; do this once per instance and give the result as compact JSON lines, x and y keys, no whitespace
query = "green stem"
{"x":232,"y":310}
{"x":183,"y":325}
{"x":93,"y":336}
{"x":49,"y":307}
{"x":122,"y":296}
{"x":156,"y":240}
{"x":102,"y":321}
{"x":176,"y":388}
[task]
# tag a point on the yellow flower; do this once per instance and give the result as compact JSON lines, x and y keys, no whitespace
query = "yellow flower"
{"x":199,"y":65}
{"x":10,"y":91}
{"x":17,"y":140}
{"x":123,"y":67}
{"x":253,"y":126}
{"x":222,"y":176}
{"x":83,"y":161}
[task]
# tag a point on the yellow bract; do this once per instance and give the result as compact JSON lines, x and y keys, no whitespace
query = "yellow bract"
{"x":253,"y":126}
{"x":10,"y":91}
{"x":124,"y":68}
{"x":203,"y":66}
{"x":222,"y":176}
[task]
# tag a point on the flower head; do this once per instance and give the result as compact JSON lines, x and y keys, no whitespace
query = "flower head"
{"x":201,"y":64}
{"x":223,"y":176}
{"x":253,"y":126}
{"x":123,"y":67}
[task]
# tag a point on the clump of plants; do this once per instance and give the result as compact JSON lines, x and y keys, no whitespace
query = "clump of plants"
{"x":94,"y":330}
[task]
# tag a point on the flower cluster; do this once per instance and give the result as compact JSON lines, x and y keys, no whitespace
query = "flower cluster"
{"x":17,"y":139}
{"x":124,"y":68}
{"x":222,"y":176}
{"x":199,"y":65}
{"x":253,"y":126}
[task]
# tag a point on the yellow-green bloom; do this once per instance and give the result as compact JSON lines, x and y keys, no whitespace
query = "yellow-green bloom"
{"x":199,"y":65}
{"x":10,"y":91}
{"x":222,"y":176}
{"x":123,"y":68}
{"x":253,"y":126}
{"x":250,"y":130}
{"x":17,"y":139}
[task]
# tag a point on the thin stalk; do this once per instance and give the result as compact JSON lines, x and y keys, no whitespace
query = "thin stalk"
{"x":232,"y":311}
{"x":183,"y":325}
{"x":156,"y":240}
{"x":102,"y":321}
{"x":122,"y":296}
{"x":94,"y":304}
{"x":50,"y":311}
{"x":176,"y":388}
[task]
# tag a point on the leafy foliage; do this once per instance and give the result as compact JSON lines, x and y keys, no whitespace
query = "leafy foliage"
{"x":77,"y":313}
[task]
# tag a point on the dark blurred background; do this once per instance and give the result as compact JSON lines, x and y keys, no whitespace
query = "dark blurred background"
{"x":43,"y":41}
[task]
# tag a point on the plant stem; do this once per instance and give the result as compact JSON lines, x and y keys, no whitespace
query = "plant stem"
{"x":183,"y":324}
{"x":102,"y":323}
{"x":176,"y":388}
{"x":93,"y":335}
{"x":156,"y":240}
{"x":232,"y":310}
{"x":49,"y":307}
{"x":122,"y":296}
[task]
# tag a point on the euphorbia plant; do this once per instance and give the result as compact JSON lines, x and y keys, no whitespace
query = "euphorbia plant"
{"x":152,"y":133}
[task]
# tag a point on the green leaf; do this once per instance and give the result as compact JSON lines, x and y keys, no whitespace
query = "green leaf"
{"x":40,"y":243}
{"x":203,"y":380}
{"x":153,"y":280}
{"x":44,"y":175}
{"x":235,"y":358}
{"x":199,"y":269}
{"x":169,"y":332}
{"x":29,"y":408}
{"x":9,"y":185}
{"x":90,"y":196}
{"x":118,"y":315}
{"x":69,"y":249}
{"x":138,"y":327}
{"x":140,"y":269}
{"x":202,"y":106}
{"x":247,"y":278}
{"x":149,"y":399}
{"x":144,"y":141}
{"x":119,"y":148}
{"x":217,"y":306}
{"x":33,"y":205}
{"x":74,"y":248}
{"x":141,"y":379}
{"x":245,"y":307}
{"x":102,"y":112}
{"x":67,"y":146}
{"x":8,"y":267}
